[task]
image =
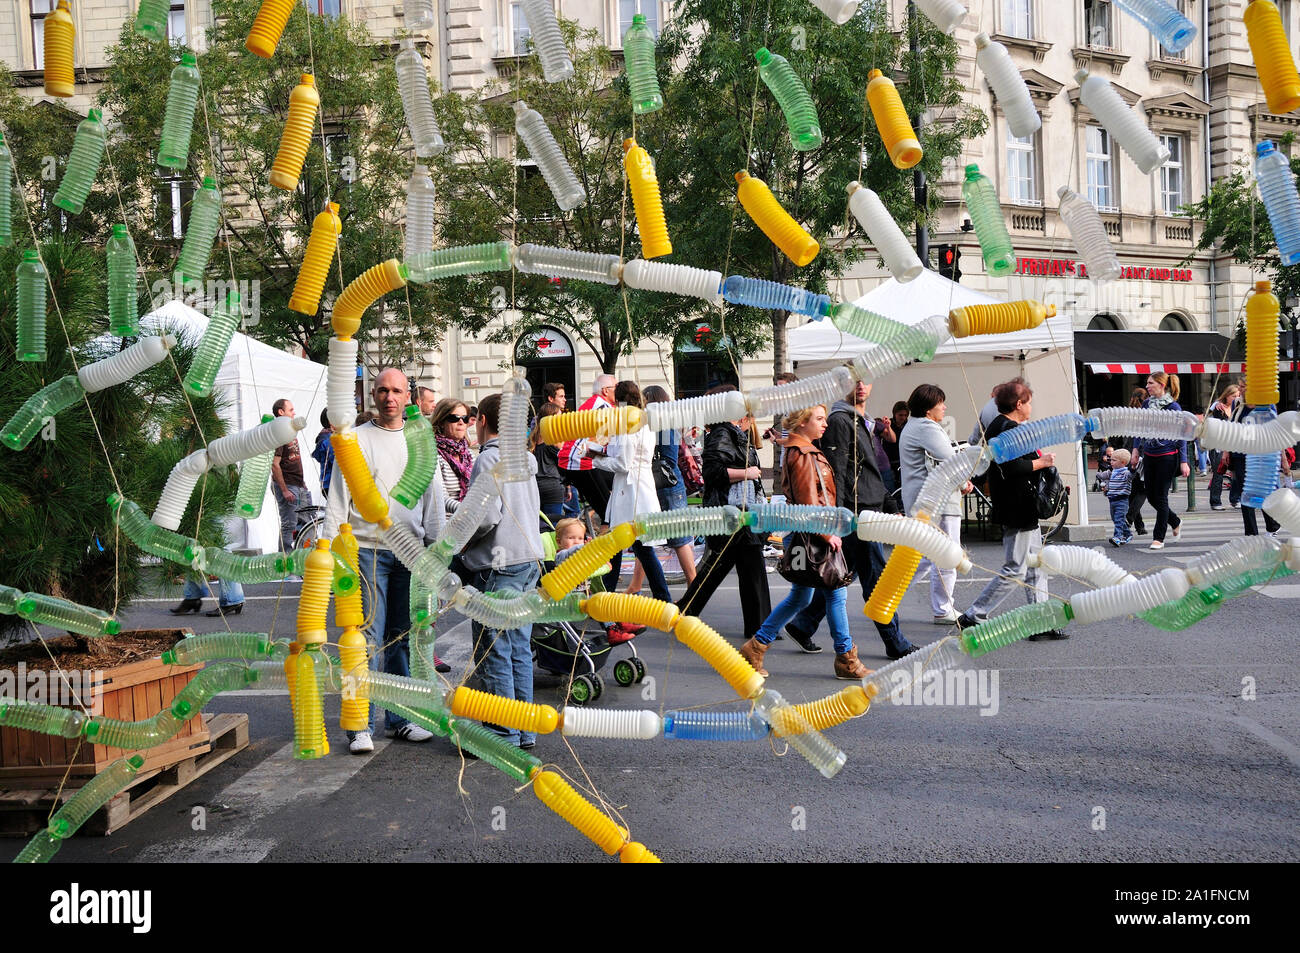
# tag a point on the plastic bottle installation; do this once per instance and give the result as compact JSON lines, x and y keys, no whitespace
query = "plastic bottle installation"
{"x":1167,"y":24}
{"x":264,"y":35}
{"x":649,"y":206}
{"x":546,"y":152}
{"x":945,"y":14}
{"x":639,"y":60}
{"x":31,"y":307}
{"x":548,"y":41}
{"x":796,"y":105}
{"x":417,"y":15}
{"x":1133,"y":135}
{"x":83,"y":164}
{"x":151,"y":19}
{"x":1262,"y":310}
{"x":1008,"y":85}
{"x":123,"y":285}
{"x":1089,"y":233}
{"x":211,"y":351}
{"x":883,"y":232}
{"x":990,"y":228}
{"x":59,"y":36}
{"x":1277,"y":187}
{"x":1272,"y":54}
{"x":200,"y":233}
{"x":304,"y":101}
{"x":314,"y":270}
{"x":891,"y":119}
{"x":774,"y":221}
{"x":420,"y":196}
{"x":417,"y":103}
{"x":6,"y":194}
{"x":178,"y":119}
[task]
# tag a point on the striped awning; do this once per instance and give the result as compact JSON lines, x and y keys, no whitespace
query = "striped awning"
{"x":1229,"y":367}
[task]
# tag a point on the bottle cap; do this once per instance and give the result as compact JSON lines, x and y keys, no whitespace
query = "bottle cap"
{"x":982,"y":40}
{"x":520,"y":106}
{"x":30,"y":254}
{"x":628,"y":144}
{"x":306,"y":79}
{"x":1080,"y":76}
{"x":1061,"y":192}
{"x":95,"y":115}
{"x":407,"y":44}
{"x":420,"y":169}
{"x":1263,"y":286}
{"x":209,"y":182}
{"x":873,"y":74}
{"x":1264,"y":148}
{"x":119,"y":231}
{"x":638,"y":19}
{"x":854,"y":186}
{"x":333,"y":208}
{"x":412,"y":411}
{"x":763,"y":56}
{"x":187,"y":59}
{"x":972,"y":171}
{"x":742,"y":175}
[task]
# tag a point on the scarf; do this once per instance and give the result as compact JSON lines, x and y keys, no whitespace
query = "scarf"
{"x":1159,"y":403}
{"x":456,"y":452}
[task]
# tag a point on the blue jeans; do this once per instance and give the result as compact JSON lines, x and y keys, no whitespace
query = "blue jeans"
{"x":867,"y":559}
{"x":390,"y":619}
{"x":503,"y":658}
{"x":572,"y":504}
{"x":232,"y":593}
{"x":834,"y":601}
{"x":654,"y":571}
{"x":288,"y":512}
{"x":1017,"y":544}
{"x":1119,"y":516}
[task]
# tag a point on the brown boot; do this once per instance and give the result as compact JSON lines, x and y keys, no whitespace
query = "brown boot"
{"x":848,"y":667}
{"x":753,"y":652}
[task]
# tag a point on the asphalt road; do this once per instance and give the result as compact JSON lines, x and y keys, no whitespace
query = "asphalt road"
{"x":1123,"y":743}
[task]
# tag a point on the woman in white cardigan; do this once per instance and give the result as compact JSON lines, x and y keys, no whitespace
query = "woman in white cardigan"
{"x":922,"y":446}
{"x":631,"y":457}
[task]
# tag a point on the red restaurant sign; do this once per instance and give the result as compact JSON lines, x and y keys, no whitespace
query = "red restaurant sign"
{"x":1065,"y":267}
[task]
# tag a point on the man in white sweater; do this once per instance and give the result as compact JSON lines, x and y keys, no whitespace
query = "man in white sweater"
{"x":383,"y":445}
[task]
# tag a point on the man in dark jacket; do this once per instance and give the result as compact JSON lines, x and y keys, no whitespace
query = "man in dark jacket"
{"x":850,"y":447}
{"x":1013,"y":487}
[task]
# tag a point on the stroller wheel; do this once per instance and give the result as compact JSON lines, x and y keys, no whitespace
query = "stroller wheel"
{"x":640,"y":668}
{"x":582,"y":690}
{"x":624,"y":672}
{"x":598,"y":685}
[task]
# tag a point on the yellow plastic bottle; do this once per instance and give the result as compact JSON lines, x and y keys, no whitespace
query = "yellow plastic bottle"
{"x":1261,"y":346}
{"x":296,"y":137}
{"x":826,"y":712}
{"x":562,"y":580}
{"x":891,"y":119}
{"x":633,"y":609}
{"x":308,"y":711}
{"x":645,"y":199}
{"x":998,"y":318}
{"x":507,"y":712}
{"x":557,"y":794}
{"x":363,"y":291}
{"x":721,"y":655}
{"x":776,"y":223}
{"x":354,"y":711}
{"x":585,"y":424}
{"x":366,"y":497}
{"x":1273,"y":61}
{"x":265,"y":34}
{"x":324,"y":240}
{"x":892,"y":584}
{"x":636,"y":853}
{"x":313,"y":603}
{"x":60,"y":35}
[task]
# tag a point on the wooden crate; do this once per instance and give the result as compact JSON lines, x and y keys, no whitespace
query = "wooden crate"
{"x":130,"y":692}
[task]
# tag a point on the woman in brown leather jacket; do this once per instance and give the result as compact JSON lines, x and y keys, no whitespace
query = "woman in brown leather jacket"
{"x":808,"y":479}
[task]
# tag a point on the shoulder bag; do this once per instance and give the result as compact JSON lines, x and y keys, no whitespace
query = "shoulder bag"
{"x":809,"y":561}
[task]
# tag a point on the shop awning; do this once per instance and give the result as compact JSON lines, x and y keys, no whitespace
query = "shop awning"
{"x":1174,"y":352}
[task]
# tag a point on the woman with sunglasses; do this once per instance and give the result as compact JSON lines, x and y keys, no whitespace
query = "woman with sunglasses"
{"x":451,"y":420}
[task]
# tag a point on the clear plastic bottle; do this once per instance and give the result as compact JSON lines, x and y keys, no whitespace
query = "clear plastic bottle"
{"x":125,"y":364}
{"x":1234,"y":556}
{"x":1004,"y":318}
{"x":774,"y":221}
{"x":946,"y":478}
{"x":178,"y":120}
{"x":1014,"y":625}
{"x":264,"y":35}
{"x":715,"y":726}
{"x":243,"y":444}
{"x":1272,"y":54}
{"x":816,"y":748}
{"x":459,"y":260}
{"x":341,"y":382}
{"x":1008,"y":86}
{"x":176,"y":493}
{"x":211,"y":352}
{"x":83,"y":163}
{"x":824,"y":388}
{"x":9,"y":597}
{"x":1078,"y":562}
{"x":93,"y":795}
{"x":774,"y":296}
{"x":153,"y":539}
{"x":546,"y":152}
{"x":915,"y":342}
{"x":885,"y":358}
{"x":59,"y":37}
{"x":316,"y":261}
{"x":492,"y":749}
{"x":568,"y":263}
{"x":1133,"y":135}
{"x":1181,"y":613}
{"x":790,"y":517}
{"x":420,"y":198}
{"x":1265,"y":436}
{"x":417,"y":15}
{"x":151,"y":19}
{"x":883,"y":232}
{"x":1040,"y":434}
{"x":31,"y":279}
{"x":47,"y":719}
{"x":1283,"y":504}
{"x":1277,"y":187}
{"x":123,"y":285}
{"x":1147,"y":422}
{"x":513,"y":464}
{"x":219,"y":645}
{"x":200,"y":233}
{"x":646,"y":201}
{"x":1167,"y":24}
{"x":1089,"y":233}
{"x":40,"y":849}
{"x":421,"y":458}
{"x":990,"y":227}
{"x":417,"y":103}
{"x":299,"y":125}
{"x":548,"y":41}
{"x":50,"y":610}
{"x":839,"y":11}
{"x":30,"y":418}
{"x":669,"y":278}
{"x":701,"y":521}
{"x":913,"y":533}
{"x":6,"y":194}
{"x":464,"y":523}
{"x":639,"y":61}
{"x":1129,"y":598}
{"x":639,"y":725}
{"x":945,"y":14}
{"x":1262,"y":310}
{"x":1262,"y":469}
{"x":892,"y":121}
{"x":695,"y":411}
{"x":796,"y":105}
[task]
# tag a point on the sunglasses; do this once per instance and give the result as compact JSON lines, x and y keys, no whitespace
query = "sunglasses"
{"x":460,"y":418}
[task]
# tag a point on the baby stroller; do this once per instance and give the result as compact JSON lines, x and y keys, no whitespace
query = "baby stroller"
{"x":577,"y":651}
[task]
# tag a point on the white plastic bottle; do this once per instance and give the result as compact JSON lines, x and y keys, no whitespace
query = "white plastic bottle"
{"x":884,"y":233}
{"x":1133,"y":135}
{"x":1008,"y":85}
{"x":545,"y":30}
{"x":541,"y":145}
{"x":945,"y":14}
{"x":1089,"y":233}
{"x":417,"y":103}
{"x":419,"y":212}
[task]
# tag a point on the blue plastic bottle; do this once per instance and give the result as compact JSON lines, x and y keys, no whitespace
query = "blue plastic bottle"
{"x":1277,"y":189}
{"x":1261,"y":468}
{"x":1174,"y":31}
{"x":1039,"y":435}
{"x":757,"y":293}
{"x":714,"y":726}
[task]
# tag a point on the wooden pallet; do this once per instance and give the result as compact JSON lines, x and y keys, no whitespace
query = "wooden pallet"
{"x":26,"y":811}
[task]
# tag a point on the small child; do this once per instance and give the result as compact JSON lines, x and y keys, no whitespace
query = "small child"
{"x":570,"y":536}
{"x":1118,"y":489}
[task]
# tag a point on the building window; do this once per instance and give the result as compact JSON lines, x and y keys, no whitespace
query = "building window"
{"x":1022,"y":172}
{"x":1284,"y":8}
{"x":1104,"y":322}
{"x":1173,"y":322}
{"x":323,"y":8}
{"x":176,"y":22}
{"x":1171,"y":175}
{"x":627,"y":8}
{"x":1017,"y":18}
{"x":1182,"y":8}
{"x":519,"y":31}
{"x":1097,"y":24}
{"x":1101,"y":182}
{"x":174,"y":195}
{"x":39,"y":9}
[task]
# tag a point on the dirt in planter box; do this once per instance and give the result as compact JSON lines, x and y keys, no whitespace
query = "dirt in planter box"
{"x":80,"y":652}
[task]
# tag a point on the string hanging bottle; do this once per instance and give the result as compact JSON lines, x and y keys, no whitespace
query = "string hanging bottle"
{"x":31,"y":307}
{"x":891,"y":119}
{"x":1008,"y":85}
{"x":548,"y":40}
{"x":123,"y":285}
{"x":151,"y":19}
{"x":1277,"y":187}
{"x":1272,"y":54}
{"x":420,"y":196}
{"x":883,"y":232}
{"x":1132,"y":134}
{"x":83,"y":163}
{"x":6,"y":194}
{"x":639,"y":60}
{"x":546,"y":152}
{"x":1167,"y":24}
{"x":59,"y":34}
{"x":1089,"y":233}
{"x":417,"y":103}
{"x":304,"y":101}
{"x":796,"y":105}
{"x":178,"y":120}
{"x":990,"y":227}
{"x":200,"y":233}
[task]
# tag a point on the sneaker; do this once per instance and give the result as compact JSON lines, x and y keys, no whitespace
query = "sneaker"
{"x":771,"y":552}
{"x":361,"y":743}
{"x":1216,"y":506}
{"x":1115,"y":542}
{"x":805,"y":642}
{"x":440,"y":666}
{"x":412,"y":732}
{"x":966,"y":621}
{"x":527,"y":745}
{"x":1156,"y":544}
{"x":948,"y":618}
{"x":1177,"y":531}
{"x":1234,"y":505}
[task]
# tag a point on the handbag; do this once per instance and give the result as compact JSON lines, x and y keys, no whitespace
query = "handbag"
{"x":665,"y":476}
{"x":1050,"y":493}
{"x":810,"y":561}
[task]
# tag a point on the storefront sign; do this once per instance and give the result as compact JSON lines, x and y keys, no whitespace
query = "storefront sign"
{"x":1065,"y":267}
{"x":548,"y":342}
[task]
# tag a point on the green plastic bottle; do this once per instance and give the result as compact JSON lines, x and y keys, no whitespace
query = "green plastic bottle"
{"x":178,"y":121}
{"x":421,"y":458}
{"x":1019,"y":623}
{"x":123,"y":285}
{"x":83,"y":164}
{"x":50,"y":610}
{"x":208,"y":684}
{"x":254,"y":478}
{"x":639,"y":58}
{"x":218,"y":645}
{"x":30,"y":418}
{"x":201,"y":233}
{"x":9,"y":597}
{"x":6,"y":194}
{"x":151,"y":19}
{"x":31,"y":307}
{"x":461,"y":260}
{"x":1196,"y":605}
{"x":132,"y":735}
{"x":870,"y":326}
{"x":493,"y":749}
{"x":150,"y":537}
{"x":990,"y":227}
{"x":796,"y":104}
{"x":226,"y":565}
{"x":94,"y":795}
{"x":212,"y":349}
{"x":47,"y":719}
{"x":39,"y":849}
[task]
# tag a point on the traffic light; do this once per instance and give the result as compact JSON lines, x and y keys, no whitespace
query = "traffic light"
{"x":950,"y":262}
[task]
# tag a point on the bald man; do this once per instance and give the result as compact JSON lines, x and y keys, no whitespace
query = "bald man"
{"x":383,"y":445}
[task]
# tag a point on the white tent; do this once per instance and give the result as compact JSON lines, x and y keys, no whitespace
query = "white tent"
{"x":967,"y":368}
{"x":252,"y":378}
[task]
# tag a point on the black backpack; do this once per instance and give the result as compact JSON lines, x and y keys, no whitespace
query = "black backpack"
{"x":1051,"y":493}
